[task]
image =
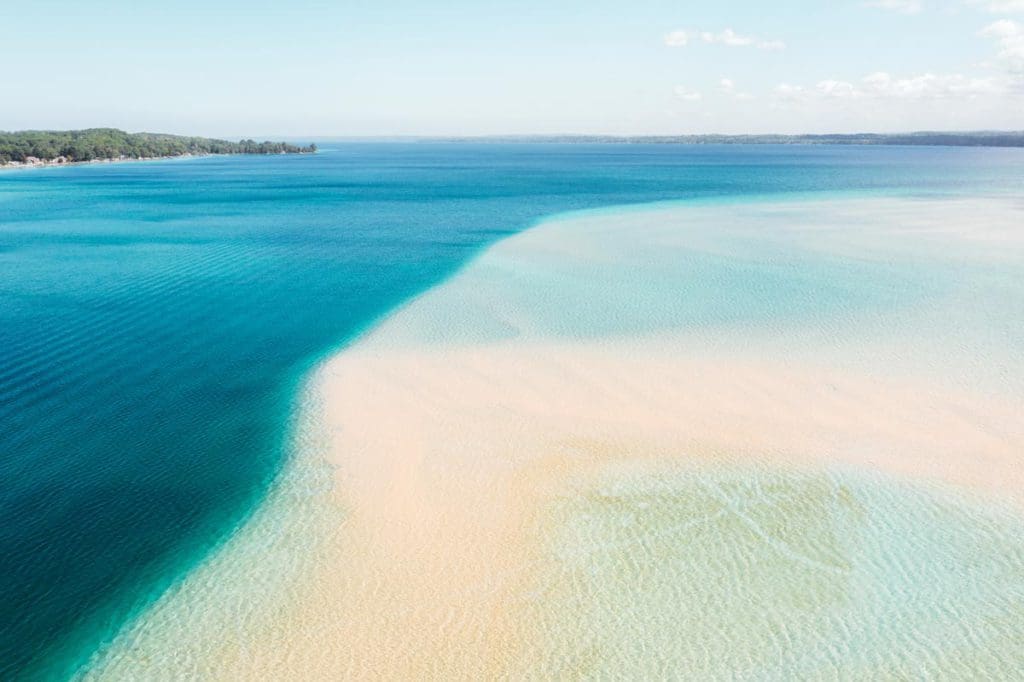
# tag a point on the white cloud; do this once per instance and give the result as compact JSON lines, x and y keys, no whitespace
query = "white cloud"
{"x":686,"y":94}
{"x":1009,"y":36}
{"x":837,"y":89}
{"x":677,"y":39}
{"x":901,"y":6}
{"x":730,"y":38}
{"x":929,"y":86}
{"x":727,"y":37}
{"x":883,"y":86}
{"x":1000,"y":6}
{"x":1008,"y":80}
{"x":728,"y":87}
{"x":790,"y":93}
{"x":1003,"y":29}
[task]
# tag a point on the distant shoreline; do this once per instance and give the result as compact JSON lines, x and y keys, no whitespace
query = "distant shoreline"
{"x":44,"y":148}
{"x":1013,"y":138}
{"x":54,"y":163}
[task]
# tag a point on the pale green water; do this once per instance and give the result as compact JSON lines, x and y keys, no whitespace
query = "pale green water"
{"x":762,"y":574}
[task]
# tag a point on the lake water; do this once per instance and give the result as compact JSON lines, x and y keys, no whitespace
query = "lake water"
{"x":157,"y":319}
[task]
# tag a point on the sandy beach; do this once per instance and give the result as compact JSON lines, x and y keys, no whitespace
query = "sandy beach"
{"x":786,"y":368}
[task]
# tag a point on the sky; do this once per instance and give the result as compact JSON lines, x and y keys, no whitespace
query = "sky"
{"x":317,"y":68}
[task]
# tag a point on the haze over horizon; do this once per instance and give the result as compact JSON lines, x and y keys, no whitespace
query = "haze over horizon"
{"x":398,"y":68}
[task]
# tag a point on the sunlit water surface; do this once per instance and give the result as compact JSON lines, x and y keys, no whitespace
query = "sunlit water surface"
{"x":156,"y":320}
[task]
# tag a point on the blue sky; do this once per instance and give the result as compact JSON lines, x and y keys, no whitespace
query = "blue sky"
{"x":394,"y":67}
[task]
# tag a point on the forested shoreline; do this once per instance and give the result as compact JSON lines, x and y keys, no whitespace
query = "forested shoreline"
{"x":44,"y":147}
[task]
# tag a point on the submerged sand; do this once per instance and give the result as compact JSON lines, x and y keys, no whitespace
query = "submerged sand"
{"x":667,"y":441}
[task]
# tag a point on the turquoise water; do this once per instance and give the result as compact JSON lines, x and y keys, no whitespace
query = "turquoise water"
{"x":155,"y":320}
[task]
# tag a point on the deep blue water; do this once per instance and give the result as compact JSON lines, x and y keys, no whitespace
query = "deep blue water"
{"x":156,"y":317}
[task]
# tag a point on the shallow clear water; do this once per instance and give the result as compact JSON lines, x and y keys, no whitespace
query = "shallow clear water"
{"x":772,"y":575}
{"x":156,"y":318}
{"x":913,"y":285}
{"x":573,"y":490}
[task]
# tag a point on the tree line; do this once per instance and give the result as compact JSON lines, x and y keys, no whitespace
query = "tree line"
{"x":110,"y":143}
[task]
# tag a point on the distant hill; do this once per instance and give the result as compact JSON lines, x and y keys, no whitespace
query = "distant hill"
{"x":48,"y":147}
{"x":950,"y":139}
